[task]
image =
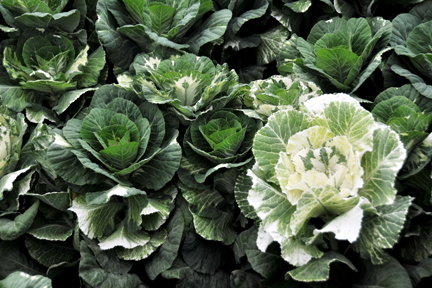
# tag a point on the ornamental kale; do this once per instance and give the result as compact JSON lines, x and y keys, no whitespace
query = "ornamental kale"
{"x":339,"y":55}
{"x":48,"y":71}
{"x":335,"y":163}
{"x":121,"y":138}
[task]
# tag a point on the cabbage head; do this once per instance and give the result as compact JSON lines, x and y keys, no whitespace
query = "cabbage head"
{"x":42,"y":14}
{"x":121,"y":138}
{"x":411,"y":40}
{"x":217,"y":140}
{"x":279,"y":93}
{"x":327,"y":168}
{"x":189,"y":84}
{"x":48,"y":73}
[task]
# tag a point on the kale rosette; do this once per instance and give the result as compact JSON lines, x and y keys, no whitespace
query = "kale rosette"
{"x":122,"y":138}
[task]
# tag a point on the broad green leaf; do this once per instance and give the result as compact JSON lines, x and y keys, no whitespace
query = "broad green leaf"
{"x":91,"y":272}
{"x":201,"y":255}
{"x":381,"y":231}
{"x":49,"y":253}
{"x":419,"y":271}
{"x":12,"y":229}
{"x":241,"y":190}
{"x":213,"y":28}
{"x":298,"y":253}
{"x":418,"y":83}
{"x":142,"y":252}
{"x":7,"y":181}
{"x":97,"y":198}
{"x":29,"y":6}
{"x":121,"y":50}
{"x":67,"y":21}
{"x":161,"y":17}
{"x":337,"y":62}
{"x":158,"y":171}
{"x":319,"y":269}
{"x":123,"y":238}
{"x":274,"y":136}
{"x":53,"y":230}
{"x":68,"y":98}
{"x":419,"y":39}
{"x":164,"y":257}
{"x":237,"y":22}
{"x":93,"y":219}
{"x":49,"y":86}
{"x":217,"y":228}
{"x":381,"y":166}
{"x":122,"y":155}
{"x":324,"y":27}
{"x":14,"y":259}
{"x":92,"y":69}
{"x":357,"y":32}
{"x":418,"y":247}
{"x":271,"y":206}
{"x":16,"y":98}
{"x":388,"y":275}
{"x":271,"y":44}
{"x":300,"y":6}
{"x":23,"y":280}
{"x":403,"y":24}
{"x":318,"y":201}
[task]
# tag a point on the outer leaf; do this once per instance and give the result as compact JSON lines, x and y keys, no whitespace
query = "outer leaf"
{"x":49,"y":253}
{"x":68,"y":98}
{"x":163,"y":258}
{"x":381,"y":166}
{"x":319,"y":269}
{"x":272,"y":206}
{"x":388,"y":275}
{"x":142,"y":252}
{"x":93,"y":219}
{"x":14,"y":259}
{"x":11,"y":230}
{"x":381,"y":231}
{"x":23,"y":280}
{"x":122,"y":237}
{"x":213,"y":28}
{"x":271,"y":44}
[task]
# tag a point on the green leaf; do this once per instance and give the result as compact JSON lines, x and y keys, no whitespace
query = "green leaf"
{"x":14,"y":259}
{"x":271,"y":206}
{"x":7,"y":181}
{"x":418,"y":247}
{"x":381,"y":166}
{"x":49,"y":86}
{"x":338,"y":63}
{"x":91,"y":272}
{"x":142,"y":252}
{"x":419,"y":39}
{"x":260,"y":7}
{"x":92,"y":69}
{"x":122,"y":155}
{"x":11,"y":230}
{"x":53,"y":230}
{"x":121,"y":50}
{"x":242,"y":186}
{"x":161,"y":17}
{"x":93,"y":219}
{"x":49,"y":253}
{"x":68,"y":98}
{"x":23,"y":280}
{"x":388,"y":275}
{"x":319,"y":269}
{"x":419,"y":271}
{"x":16,"y":98}
{"x":271,"y":44}
{"x":213,"y":28}
{"x":123,"y":238}
{"x":381,"y":231}
{"x":164,"y":257}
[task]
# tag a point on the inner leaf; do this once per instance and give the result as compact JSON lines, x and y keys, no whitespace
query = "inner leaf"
{"x":115,"y":135}
{"x":121,"y":156}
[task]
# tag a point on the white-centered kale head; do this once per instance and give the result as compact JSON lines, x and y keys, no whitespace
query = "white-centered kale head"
{"x":329,"y":161}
